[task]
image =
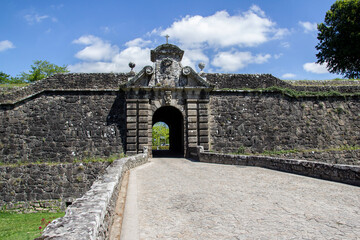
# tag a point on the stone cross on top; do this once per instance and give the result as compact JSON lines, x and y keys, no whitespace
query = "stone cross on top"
{"x":167,"y":38}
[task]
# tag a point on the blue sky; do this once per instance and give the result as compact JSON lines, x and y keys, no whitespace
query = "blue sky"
{"x":230,"y":36}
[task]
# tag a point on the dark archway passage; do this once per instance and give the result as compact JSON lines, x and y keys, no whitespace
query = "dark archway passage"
{"x":174,"y":119}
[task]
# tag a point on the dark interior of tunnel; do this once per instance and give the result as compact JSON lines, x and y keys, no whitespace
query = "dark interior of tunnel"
{"x":174,"y":119}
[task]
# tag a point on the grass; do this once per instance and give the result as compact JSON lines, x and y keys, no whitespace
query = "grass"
{"x":14,"y":226}
{"x":329,"y":82}
{"x":241,"y":151}
{"x":14,"y":85}
{"x":109,"y":159}
{"x":296,"y":94}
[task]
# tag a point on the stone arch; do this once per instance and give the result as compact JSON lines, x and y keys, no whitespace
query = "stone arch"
{"x":175,"y":120}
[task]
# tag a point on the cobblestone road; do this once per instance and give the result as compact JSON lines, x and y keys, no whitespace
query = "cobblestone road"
{"x":179,"y":199}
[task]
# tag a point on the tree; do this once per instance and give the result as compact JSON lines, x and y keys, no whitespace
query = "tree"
{"x":42,"y":69}
{"x":160,"y":134}
{"x":339,"y":37}
{"x":4,"y":78}
{"x":7,"y":79}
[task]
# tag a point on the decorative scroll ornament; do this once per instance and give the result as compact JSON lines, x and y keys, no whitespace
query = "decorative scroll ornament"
{"x":186,"y":71}
{"x":167,"y":97}
{"x":149,"y":70}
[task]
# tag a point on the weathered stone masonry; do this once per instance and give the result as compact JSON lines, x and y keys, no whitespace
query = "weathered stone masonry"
{"x":271,"y":121}
{"x":74,"y":116}
{"x":71,"y":116}
{"x":61,"y":126}
{"x":44,"y":187}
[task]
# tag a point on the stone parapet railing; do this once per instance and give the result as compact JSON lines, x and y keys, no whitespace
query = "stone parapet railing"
{"x":66,"y":82}
{"x":90,"y":216}
{"x":349,"y":174}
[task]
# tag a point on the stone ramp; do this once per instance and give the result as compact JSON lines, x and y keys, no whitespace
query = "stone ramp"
{"x":175,"y":198}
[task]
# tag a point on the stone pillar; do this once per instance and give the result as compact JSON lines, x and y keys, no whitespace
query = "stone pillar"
{"x":137,"y":123}
{"x":203,"y":121}
{"x":131,"y":125}
{"x":143,"y":124}
{"x":192,"y":122}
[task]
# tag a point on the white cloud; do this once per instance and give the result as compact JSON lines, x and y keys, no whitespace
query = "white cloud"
{"x":193,"y":56}
{"x":285,"y":44}
{"x":248,"y":29}
{"x":288,"y":75}
{"x":97,"y":50}
{"x":140,"y":56}
{"x":308,"y":26}
{"x":138,"y":42}
{"x":101,"y":56}
{"x":315,"y":68}
{"x":35,"y":18}
{"x":5,"y":45}
{"x":234,"y":60}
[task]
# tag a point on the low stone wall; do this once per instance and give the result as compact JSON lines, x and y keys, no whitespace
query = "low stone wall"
{"x":90,"y":216}
{"x":349,"y":174}
{"x":332,"y":157}
{"x":244,"y":80}
{"x":45,"y":187}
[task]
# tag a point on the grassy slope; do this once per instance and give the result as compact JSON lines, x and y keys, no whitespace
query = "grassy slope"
{"x":23,"y":226}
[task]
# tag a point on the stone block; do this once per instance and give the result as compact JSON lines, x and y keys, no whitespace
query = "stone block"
{"x":192,"y":144}
{"x":131,"y":119}
{"x":203,"y":113}
{"x":203,"y":132}
{"x":203,"y":106}
{"x":204,"y":139}
{"x":131,"y":112}
{"x":192,"y":112}
{"x":192,"y":125}
{"x":192,"y":139}
{"x":143,"y":140}
{"x":131,"y":147}
{"x":131,"y":152}
{"x":131,"y":125}
{"x":143,"y":119}
{"x":192,"y":133}
{"x":143,"y":126}
{"x":131,"y":106}
{"x":131,"y":133}
{"x":143,"y":133}
{"x":144,"y":106}
{"x":191,"y":106}
{"x":203,"y":119}
{"x":144,"y":113}
{"x":130,"y":139}
{"x":203,"y":126}
{"x":192,"y":119}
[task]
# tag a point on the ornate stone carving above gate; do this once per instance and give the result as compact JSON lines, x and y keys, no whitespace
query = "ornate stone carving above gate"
{"x":167,"y":71}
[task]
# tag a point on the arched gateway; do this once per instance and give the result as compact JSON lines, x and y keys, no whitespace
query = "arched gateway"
{"x":175,"y":120}
{"x":170,"y":93}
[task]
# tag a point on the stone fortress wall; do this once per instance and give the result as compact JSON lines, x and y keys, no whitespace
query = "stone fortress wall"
{"x":271,"y":121}
{"x":75,"y":116}
{"x":72,"y":116}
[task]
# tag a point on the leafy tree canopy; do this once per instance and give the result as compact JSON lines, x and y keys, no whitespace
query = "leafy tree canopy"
{"x":339,"y":37}
{"x":4,"y":78}
{"x":42,"y":69}
{"x":7,"y":79}
{"x":160,"y":134}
